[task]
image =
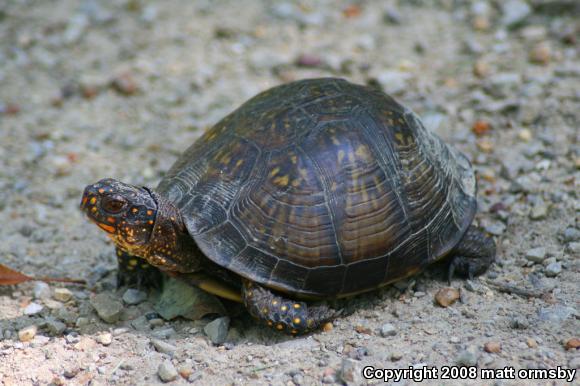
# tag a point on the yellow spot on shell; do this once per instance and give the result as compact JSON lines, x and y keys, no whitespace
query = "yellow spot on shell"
{"x":296,"y":182}
{"x":340,"y":156}
{"x":294,"y":331}
{"x":270,"y":323}
{"x":362,"y":152}
{"x":296,"y":305}
{"x":94,"y":209}
{"x":294,"y":159}
{"x":274,"y":302}
{"x":281,"y":181}
{"x":133,"y":262}
{"x":149,"y":212}
{"x":296,"y":320}
{"x":284,"y":308}
{"x":279,"y":326}
{"x":240,"y":162}
{"x":93,"y":200}
{"x":134,"y":210}
{"x":264,"y":310}
{"x":274,"y":171}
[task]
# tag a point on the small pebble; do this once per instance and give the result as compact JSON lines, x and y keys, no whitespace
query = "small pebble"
{"x":536,"y":255}
{"x":105,"y":338}
{"x":27,"y":334}
{"x":446,"y":296}
{"x":525,"y":135}
{"x":553,"y":269}
{"x":71,"y":372}
{"x":480,"y":127}
{"x":167,"y":372}
{"x":388,"y":329}
{"x":125,"y":84}
{"x":572,"y":344}
{"x":55,"y":327}
{"x":539,"y":211}
{"x":541,"y":54}
{"x":396,"y":356}
{"x":133,"y":296}
{"x":62,"y":295}
{"x":467,"y":357}
{"x":531,"y":343}
{"x":492,"y":347}
{"x":163,"y":347}
{"x":349,"y":372}
{"x":571,"y":234}
{"x":217,"y":330}
{"x":33,"y":309}
{"x":108,"y":308}
{"x":41,"y":290}
{"x":185,"y":371}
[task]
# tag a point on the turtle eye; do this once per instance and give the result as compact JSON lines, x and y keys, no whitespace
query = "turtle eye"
{"x":112,"y":205}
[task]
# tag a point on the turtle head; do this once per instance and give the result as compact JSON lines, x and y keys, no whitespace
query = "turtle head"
{"x":125,"y":212}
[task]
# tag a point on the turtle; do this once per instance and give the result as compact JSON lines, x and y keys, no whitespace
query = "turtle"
{"x":310,"y":191}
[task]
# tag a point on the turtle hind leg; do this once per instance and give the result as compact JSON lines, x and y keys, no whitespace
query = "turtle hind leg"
{"x":134,"y":271}
{"x":473,"y":255}
{"x":282,"y":314}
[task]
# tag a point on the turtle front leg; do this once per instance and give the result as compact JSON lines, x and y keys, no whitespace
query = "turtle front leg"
{"x":282,"y":314}
{"x":136,"y":272}
{"x":473,"y":255}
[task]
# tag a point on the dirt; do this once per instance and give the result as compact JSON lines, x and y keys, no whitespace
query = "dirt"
{"x":118,"y":89}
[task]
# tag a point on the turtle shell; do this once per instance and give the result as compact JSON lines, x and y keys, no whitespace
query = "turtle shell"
{"x":322,"y":188}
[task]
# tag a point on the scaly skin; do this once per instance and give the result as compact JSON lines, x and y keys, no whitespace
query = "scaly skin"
{"x":150,"y":235}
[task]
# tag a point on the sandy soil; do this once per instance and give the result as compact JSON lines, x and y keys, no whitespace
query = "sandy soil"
{"x":118,"y":89}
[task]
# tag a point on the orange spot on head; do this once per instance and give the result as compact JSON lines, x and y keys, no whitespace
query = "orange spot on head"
{"x":84,"y":201}
{"x":106,"y":228}
{"x":149,"y":212}
{"x":101,"y":190}
{"x":134,"y":210}
{"x":111,"y":220}
{"x":150,"y":222}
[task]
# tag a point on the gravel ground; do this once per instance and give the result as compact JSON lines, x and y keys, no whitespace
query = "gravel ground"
{"x":92,"y":89}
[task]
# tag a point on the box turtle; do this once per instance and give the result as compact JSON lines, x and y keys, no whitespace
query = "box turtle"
{"x":312,"y":190}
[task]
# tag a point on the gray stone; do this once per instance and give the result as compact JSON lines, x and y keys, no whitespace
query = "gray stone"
{"x":33,"y":309}
{"x":167,"y":372}
{"x":514,"y":12}
{"x":467,"y":357}
{"x":393,"y":81}
{"x":574,"y":363}
{"x":553,"y":269}
{"x":571,"y":234}
{"x":62,"y":294}
{"x":573,"y":247}
{"x":496,"y":228}
{"x":55,"y":327}
{"x":41,"y":290}
{"x":133,"y":296}
{"x":539,"y":211}
{"x":105,"y":338}
{"x":536,"y":255}
{"x":181,"y":299}
{"x":164,"y":333}
{"x":108,"y":308}
{"x":217,"y":330}
{"x":556,"y":314}
{"x":388,"y":329}
{"x":163,"y":347}
{"x":350,"y":373}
